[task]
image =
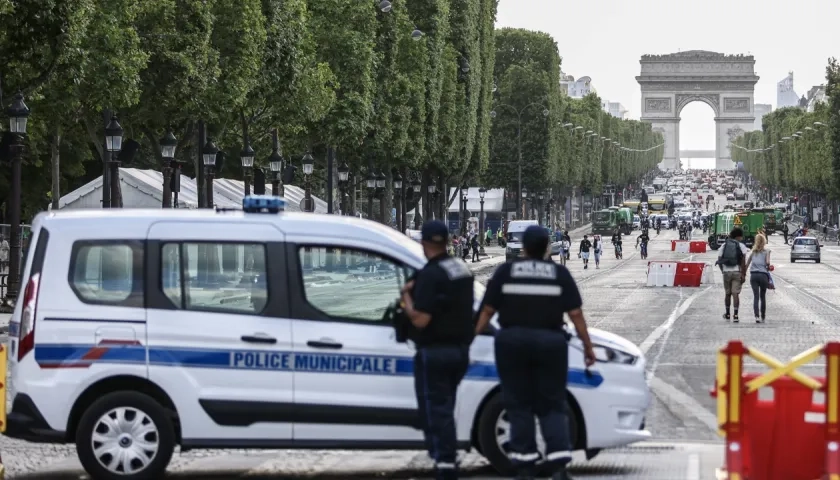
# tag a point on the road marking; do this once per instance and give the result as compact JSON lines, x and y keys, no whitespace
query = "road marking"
{"x":692,"y":471}
{"x":678,"y":311}
{"x":693,"y":407}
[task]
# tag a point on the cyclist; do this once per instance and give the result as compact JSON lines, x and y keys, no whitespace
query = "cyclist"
{"x":643,"y":240}
{"x":658,"y":225}
{"x":616,"y":241}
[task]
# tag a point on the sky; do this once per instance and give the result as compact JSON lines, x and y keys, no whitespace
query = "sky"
{"x":604,"y":39}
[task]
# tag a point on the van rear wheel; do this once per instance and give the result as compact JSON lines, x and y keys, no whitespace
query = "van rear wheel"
{"x":127,"y":436}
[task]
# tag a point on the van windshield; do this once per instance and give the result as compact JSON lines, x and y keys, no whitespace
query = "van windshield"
{"x":515,"y":237}
{"x":602,"y":216}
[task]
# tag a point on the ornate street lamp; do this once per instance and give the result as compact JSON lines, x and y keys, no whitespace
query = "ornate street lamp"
{"x":465,"y":190}
{"x":385,"y":6}
{"x":343,"y":179}
{"x":308,"y":163}
{"x":18,"y":114}
{"x":275,"y":164}
{"x":416,"y":186}
{"x":416,"y":34}
{"x":481,"y":192}
{"x":113,"y":145}
{"x":380,"y":194}
{"x":208,"y":157}
{"x":246,"y":157}
{"x":370,"y":183}
{"x":168,"y":144}
{"x":399,"y":197}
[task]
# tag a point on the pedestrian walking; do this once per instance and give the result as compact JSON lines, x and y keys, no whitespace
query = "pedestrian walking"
{"x":758,"y":263}
{"x":731,"y":260}
{"x":785,"y":230}
{"x":475,"y":245}
{"x":531,"y":296}
{"x":439,"y":304}
{"x":597,"y":249}
{"x":583,"y":251}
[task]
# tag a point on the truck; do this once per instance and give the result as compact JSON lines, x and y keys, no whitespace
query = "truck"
{"x":722,"y":224}
{"x":740,"y":194}
{"x":770,"y":220}
{"x":624,"y":218}
{"x":604,"y":222}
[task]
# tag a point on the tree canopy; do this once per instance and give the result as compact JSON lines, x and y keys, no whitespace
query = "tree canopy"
{"x":429,"y":86}
{"x":797,"y":150}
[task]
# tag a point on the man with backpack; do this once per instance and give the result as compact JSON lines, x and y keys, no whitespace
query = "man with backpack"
{"x":731,"y":260}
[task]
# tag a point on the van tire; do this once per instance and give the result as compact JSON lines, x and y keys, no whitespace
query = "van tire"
{"x":487,"y":434}
{"x":138,"y":401}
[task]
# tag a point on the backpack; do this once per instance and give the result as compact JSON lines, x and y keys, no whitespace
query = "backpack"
{"x":732,"y":253}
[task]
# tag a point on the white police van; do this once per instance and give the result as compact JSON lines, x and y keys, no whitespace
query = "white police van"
{"x":141,"y":330}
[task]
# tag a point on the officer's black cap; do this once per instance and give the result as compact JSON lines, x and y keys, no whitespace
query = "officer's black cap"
{"x":535,"y":241}
{"x":434,"y":231}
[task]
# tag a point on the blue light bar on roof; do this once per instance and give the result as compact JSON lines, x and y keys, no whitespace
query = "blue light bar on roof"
{"x":263,"y":204}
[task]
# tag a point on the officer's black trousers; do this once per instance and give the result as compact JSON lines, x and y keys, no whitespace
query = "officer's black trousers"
{"x":438,"y":370}
{"x":533,"y":366}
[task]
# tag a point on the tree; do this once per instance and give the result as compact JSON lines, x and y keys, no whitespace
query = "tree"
{"x":832,"y":91}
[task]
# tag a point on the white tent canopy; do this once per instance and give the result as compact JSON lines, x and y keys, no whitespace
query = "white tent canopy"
{"x":493,"y":200}
{"x":144,"y":189}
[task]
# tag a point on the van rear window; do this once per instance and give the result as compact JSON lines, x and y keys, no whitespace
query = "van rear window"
{"x":108,"y":272}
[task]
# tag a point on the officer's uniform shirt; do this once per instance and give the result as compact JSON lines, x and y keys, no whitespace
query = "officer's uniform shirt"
{"x":532,"y":293}
{"x":444,"y":289}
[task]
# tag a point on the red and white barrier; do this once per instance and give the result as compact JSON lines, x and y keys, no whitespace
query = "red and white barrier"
{"x":661,"y":274}
{"x":697,"y":247}
{"x":678,"y":274}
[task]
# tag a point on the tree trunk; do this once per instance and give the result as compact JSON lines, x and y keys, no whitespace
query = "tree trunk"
{"x":56,"y":172}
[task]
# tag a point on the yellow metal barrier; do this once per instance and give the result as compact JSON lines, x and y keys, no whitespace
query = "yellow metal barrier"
{"x":780,"y":369}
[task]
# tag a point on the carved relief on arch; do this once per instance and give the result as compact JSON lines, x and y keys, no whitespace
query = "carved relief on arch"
{"x":712,"y":99}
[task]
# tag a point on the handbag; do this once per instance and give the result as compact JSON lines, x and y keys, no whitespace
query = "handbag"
{"x":770,"y":284}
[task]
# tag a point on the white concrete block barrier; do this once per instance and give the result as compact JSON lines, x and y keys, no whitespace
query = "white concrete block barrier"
{"x":661,"y":274}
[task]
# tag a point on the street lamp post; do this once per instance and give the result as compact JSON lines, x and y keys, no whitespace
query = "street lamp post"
{"x":308,"y":167}
{"x":370,"y":183}
{"x":18,"y":114}
{"x":433,"y":195}
{"x":540,"y":197}
{"x":398,"y":197}
{"x":246,"y":157}
{"x":524,"y":196}
{"x":465,"y":190}
{"x":343,"y":178}
{"x":481,"y":192}
{"x":113,"y":143}
{"x":416,"y":186}
{"x":380,"y":194}
{"x":275,"y":164}
{"x":208,"y":156}
{"x":167,"y":151}
{"x":519,"y":113}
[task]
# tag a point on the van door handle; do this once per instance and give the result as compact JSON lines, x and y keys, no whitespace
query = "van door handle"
{"x":327,"y":344}
{"x":258,"y":339}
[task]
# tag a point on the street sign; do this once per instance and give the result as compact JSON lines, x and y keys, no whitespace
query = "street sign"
{"x":738,"y":221}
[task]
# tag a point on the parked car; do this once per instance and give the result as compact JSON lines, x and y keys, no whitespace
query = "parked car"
{"x":805,"y":248}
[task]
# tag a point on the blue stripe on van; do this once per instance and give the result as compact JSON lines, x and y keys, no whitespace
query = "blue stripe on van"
{"x":83,"y":356}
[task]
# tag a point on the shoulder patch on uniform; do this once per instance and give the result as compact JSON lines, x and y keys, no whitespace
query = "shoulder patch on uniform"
{"x":533,"y":269}
{"x":455,"y":269}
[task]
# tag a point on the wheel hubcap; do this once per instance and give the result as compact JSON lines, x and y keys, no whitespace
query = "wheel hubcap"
{"x":125,"y":440}
{"x":503,"y":435}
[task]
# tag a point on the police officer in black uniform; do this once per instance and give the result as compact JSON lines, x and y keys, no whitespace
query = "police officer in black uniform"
{"x":531,"y":295}
{"x":439,"y":304}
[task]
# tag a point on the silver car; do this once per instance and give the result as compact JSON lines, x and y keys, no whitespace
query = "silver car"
{"x":805,"y":248}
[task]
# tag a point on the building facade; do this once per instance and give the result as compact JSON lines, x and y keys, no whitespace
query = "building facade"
{"x":785,"y":94}
{"x":576,"y":88}
{"x":761,"y":109}
{"x":815,"y":95}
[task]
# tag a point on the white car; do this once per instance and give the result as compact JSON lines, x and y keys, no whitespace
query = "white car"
{"x":140,"y":330}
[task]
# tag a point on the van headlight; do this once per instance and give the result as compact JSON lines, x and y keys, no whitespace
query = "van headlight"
{"x":508,"y":250}
{"x":605,"y":354}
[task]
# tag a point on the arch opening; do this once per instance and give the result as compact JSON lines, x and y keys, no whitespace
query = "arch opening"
{"x":698,"y":135}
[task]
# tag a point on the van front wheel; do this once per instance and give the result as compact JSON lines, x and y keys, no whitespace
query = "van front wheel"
{"x":127,"y":436}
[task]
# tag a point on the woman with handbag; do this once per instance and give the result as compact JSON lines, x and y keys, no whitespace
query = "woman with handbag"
{"x":759,"y":266}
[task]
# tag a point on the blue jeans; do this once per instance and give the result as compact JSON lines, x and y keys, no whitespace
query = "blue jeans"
{"x":759,"y":282}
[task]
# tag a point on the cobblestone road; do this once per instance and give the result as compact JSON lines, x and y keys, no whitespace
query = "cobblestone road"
{"x":678,"y":328}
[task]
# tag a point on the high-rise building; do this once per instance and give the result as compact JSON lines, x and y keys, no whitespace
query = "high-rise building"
{"x":615,"y":109}
{"x":785,"y":95}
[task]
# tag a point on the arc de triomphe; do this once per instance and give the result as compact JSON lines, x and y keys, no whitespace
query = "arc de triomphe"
{"x":724,"y":82}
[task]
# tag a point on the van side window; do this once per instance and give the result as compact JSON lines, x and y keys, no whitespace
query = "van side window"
{"x":222,"y":277}
{"x":108,"y":272}
{"x":349,"y":284}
